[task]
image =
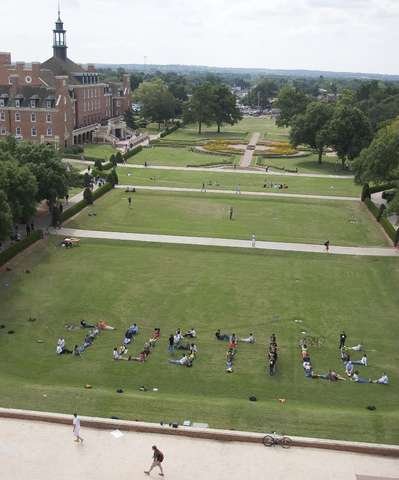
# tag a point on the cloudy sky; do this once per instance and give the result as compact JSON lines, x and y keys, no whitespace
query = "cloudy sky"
{"x":338,"y":35}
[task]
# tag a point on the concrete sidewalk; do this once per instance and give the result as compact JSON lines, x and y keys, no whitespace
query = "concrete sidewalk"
{"x":234,"y":192}
{"x":223,"y":170}
{"x":46,"y":451}
{"x":226,"y":242}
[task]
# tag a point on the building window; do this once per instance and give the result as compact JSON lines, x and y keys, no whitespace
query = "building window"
{"x":3,"y":131}
{"x":33,"y":104}
{"x":48,"y":117}
{"x":18,"y":131}
{"x":17,"y":103}
{"x":65,"y":117}
{"x":2,"y":103}
{"x":33,"y":131}
{"x":49,"y":132}
{"x":2,"y":116}
{"x":48,"y":104}
{"x":17,"y":117}
{"x":33,"y":117}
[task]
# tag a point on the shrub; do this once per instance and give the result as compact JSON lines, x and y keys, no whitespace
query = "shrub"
{"x":119,"y":157}
{"x":18,"y":247}
{"x":113,"y":177}
{"x":98,"y":164}
{"x":74,"y":150}
{"x":132,"y":152}
{"x":112,"y":160}
{"x":88,"y":195}
{"x":365,"y":192}
{"x":384,"y":222}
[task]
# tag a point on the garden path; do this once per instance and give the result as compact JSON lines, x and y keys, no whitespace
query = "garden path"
{"x":228,"y":242}
{"x":246,"y":159}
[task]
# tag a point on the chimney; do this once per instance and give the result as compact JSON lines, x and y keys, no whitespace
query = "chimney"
{"x":20,"y":68}
{"x":5,"y":58}
{"x":61,"y":84}
{"x":35,"y":70}
{"x":14,"y":81}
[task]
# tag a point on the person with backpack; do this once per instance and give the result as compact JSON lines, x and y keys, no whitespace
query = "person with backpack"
{"x":158,"y":457}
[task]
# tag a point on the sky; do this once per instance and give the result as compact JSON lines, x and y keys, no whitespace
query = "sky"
{"x":334,"y":35}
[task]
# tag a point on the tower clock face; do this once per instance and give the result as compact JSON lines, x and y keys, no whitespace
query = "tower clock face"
{"x":28,"y":79}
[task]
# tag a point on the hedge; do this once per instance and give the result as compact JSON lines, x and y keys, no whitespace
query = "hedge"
{"x":385,"y":223}
{"x":70,"y":212}
{"x":380,"y":188}
{"x":133,"y":151}
{"x":211,"y":164}
{"x":20,"y":246}
{"x":85,"y":158}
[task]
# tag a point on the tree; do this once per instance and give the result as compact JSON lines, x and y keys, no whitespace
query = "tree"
{"x":225,"y":106}
{"x":262,"y":93}
{"x":5,"y":216}
{"x":201,"y":106}
{"x":158,"y":103}
{"x":311,"y":127}
{"x":20,"y":188}
{"x":349,"y":131}
{"x":291,"y":102}
{"x":88,"y":195}
{"x":113,"y":177}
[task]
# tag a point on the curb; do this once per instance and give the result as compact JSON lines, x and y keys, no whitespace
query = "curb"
{"x":203,"y":433}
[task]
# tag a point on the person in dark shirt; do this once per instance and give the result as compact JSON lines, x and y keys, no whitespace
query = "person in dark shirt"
{"x":158,"y":458}
{"x":342,"y":340}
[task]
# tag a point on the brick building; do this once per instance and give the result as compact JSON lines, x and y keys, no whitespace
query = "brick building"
{"x":60,"y":102}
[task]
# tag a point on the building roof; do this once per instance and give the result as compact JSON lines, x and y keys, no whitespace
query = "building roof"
{"x":62,"y":67}
{"x":27,"y":93}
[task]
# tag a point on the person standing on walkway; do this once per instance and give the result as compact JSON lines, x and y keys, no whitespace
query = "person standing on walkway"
{"x":67,"y":198}
{"x":253,"y":240}
{"x":27,"y":229}
{"x":231,"y":211}
{"x":129,"y":200}
{"x":238,"y":190}
{"x":76,"y":428}
{"x":327,"y":245}
{"x":342,"y":340}
{"x":203,"y":188}
{"x":158,"y":457}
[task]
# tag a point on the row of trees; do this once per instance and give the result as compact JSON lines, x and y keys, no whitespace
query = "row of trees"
{"x":28,"y":174}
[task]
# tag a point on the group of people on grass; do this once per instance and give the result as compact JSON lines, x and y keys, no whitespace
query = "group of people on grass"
{"x":121,"y":352}
{"x":348,"y":363}
{"x":232,"y":346}
{"x":94,"y":331}
{"x":272,"y":354}
{"x":179,"y":341}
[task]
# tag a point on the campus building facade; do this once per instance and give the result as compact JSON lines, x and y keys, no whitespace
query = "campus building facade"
{"x":60,"y":102}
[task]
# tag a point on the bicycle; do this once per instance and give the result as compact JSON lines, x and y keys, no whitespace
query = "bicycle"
{"x":270,"y":441}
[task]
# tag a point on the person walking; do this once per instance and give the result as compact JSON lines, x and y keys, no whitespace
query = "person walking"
{"x":129,"y":201}
{"x":67,"y":198}
{"x":158,"y":457}
{"x":171,"y":346}
{"x":231,"y":211}
{"x":238,"y":189}
{"x":203,"y":188}
{"x":76,"y":428}
{"x":342,"y":340}
{"x":253,"y":240}
{"x":327,"y":245}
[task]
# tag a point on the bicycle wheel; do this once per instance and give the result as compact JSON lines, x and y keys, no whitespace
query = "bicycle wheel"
{"x":268,"y":441}
{"x":286,"y":442}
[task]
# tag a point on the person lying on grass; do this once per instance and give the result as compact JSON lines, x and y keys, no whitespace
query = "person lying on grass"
{"x":363,"y":361}
{"x":222,"y":336}
{"x":128,"y":337}
{"x":250,"y":339}
{"x":331,"y":375}
{"x":84,"y":324}
{"x":355,"y":348}
{"x":358,"y":379}
{"x":345,"y":357}
{"x":383,"y":380}
{"x":349,"y":368}
{"x":142,"y":357}
{"x":190,"y":333}
{"x":229,"y":366}
{"x":104,"y":326}
{"x":185,"y":361}
{"x":62,"y":350}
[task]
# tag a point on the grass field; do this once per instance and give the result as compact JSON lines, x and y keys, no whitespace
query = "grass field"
{"x":176,"y":286}
{"x":242,"y":130}
{"x":180,"y":157}
{"x":102,"y":151}
{"x":247,"y":181}
{"x":274,"y":219}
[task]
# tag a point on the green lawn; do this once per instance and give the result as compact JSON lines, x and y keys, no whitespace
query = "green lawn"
{"x":242,"y":130}
{"x":274,"y":219}
{"x":247,"y":181}
{"x":177,"y":286}
{"x":329,"y":166}
{"x":102,"y":151}
{"x":179,"y":157}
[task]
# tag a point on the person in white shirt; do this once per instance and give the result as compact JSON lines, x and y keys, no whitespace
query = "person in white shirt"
{"x":383,"y":380}
{"x":363,"y":361}
{"x":182,"y":361}
{"x":190,"y":333}
{"x":61,"y":342}
{"x":76,"y":428}
{"x":250,"y":339}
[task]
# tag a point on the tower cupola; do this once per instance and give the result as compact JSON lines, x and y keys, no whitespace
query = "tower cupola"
{"x":59,"y":39}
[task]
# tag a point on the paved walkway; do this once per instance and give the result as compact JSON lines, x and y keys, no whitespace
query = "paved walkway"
{"x":229,"y":192}
{"x":246,"y":159}
{"x":222,"y":170}
{"x":45,"y":451}
{"x":227,"y":242}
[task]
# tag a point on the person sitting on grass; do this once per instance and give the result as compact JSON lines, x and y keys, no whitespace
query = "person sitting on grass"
{"x":193,"y":349}
{"x":182,"y":361}
{"x":62,"y":350}
{"x":102,"y":325}
{"x":77,"y":351}
{"x":363,"y":361}
{"x":383,"y":380}
{"x":308,"y":370}
{"x":156,"y":334}
{"x":133,"y":329}
{"x":142,"y":357}
{"x":345,"y":357}
{"x":128,"y":337}
{"x":190,"y":333}
{"x":250,"y":339}
{"x":61,"y":342}
{"x":349,"y":369}
{"x":222,"y":336}
{"x":358,"y":379}
{"x":177,"y":338}
{"x":122,"y":350}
